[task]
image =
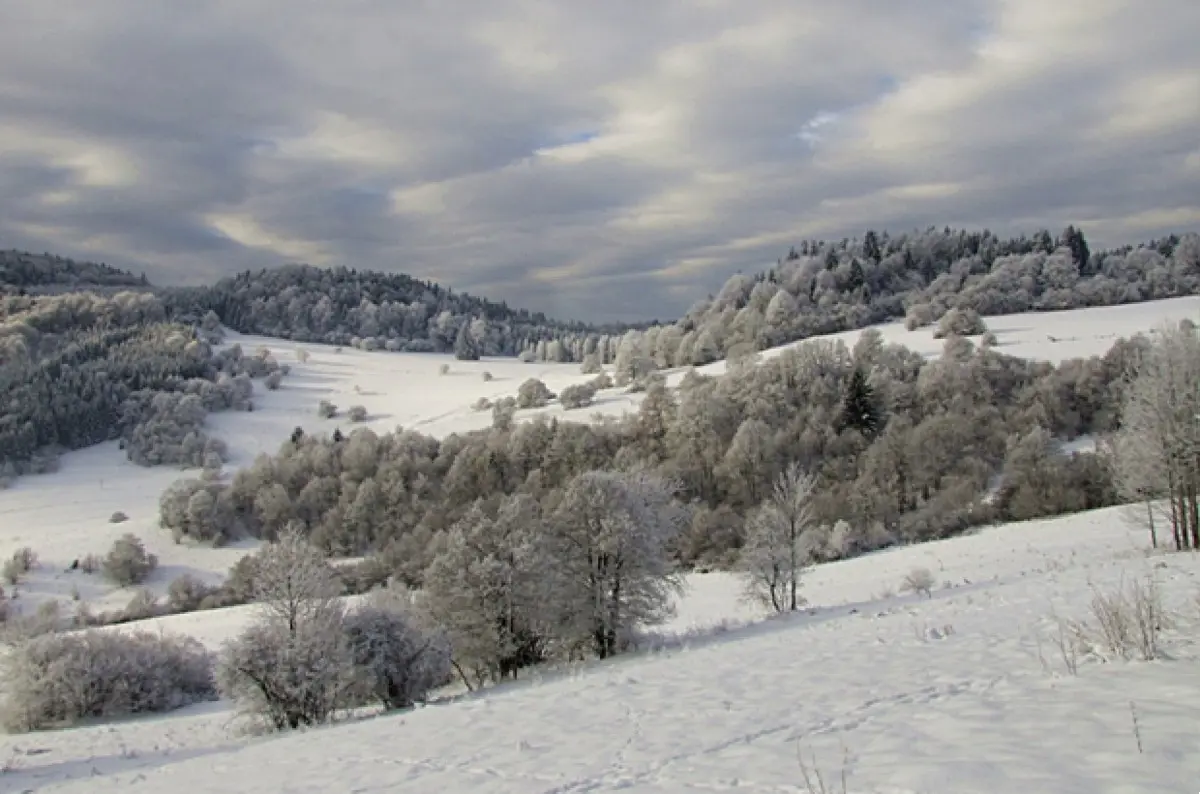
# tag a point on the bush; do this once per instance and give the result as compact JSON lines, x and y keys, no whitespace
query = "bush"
{"x":127,"y":562}
{"x":601,"y":381}
{"x":396,"y":662}
{"x":960,"y":322}
{"x":22,"y":562}
{"x":919,"y":315}
{"x":533,"y":394}
{"x":273,"y":380}
{"x":187,"y":592}
{"x":919,"y":581}
{"x":326,"y":409}
{"x":578,"y":396}
{"x":302,"y":355}
{"x":357,"y":413}
{"x":59,"y":679}
{"x":487,"y":377}
{"x":444,"y":369}
{"x":287,"y":678}
{"x":482,"y":404}
{"x":118,"y":518}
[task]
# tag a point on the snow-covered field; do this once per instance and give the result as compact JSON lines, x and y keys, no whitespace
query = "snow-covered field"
{"x":869,"y":681}
{"x":962,"y":692}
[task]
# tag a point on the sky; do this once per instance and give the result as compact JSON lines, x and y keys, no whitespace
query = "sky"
{"x":599,"y":160}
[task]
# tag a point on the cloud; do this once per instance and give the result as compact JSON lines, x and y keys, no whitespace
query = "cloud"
{"x":608,"y":160}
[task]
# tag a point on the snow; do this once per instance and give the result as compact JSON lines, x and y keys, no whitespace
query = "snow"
{"x":728,"y":700}
{"x":908,"y":694}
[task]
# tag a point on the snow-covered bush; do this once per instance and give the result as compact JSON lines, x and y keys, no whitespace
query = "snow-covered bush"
{"x":326,"y":409}
{"x":273,"y":380}
{"x":21,"y":562}
{"x":482,"y":404}
{"x":117,"y":518}
{"x":919,"y":581}
{"x":127,"y":562}
{"x":444,"y":369}
{"x":960,"y":322}
{"x":59,"y":679}
{"x":187,"y":592}
{"x":357,"y":413}
{"x":533,"y":394}
{"x":918,"y":315}
{"x":396,"y":661}
{"x":578,"y":396}
{"x":487,"y":377}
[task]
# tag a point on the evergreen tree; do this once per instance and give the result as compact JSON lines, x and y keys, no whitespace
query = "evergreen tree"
{"x":860,"y":409}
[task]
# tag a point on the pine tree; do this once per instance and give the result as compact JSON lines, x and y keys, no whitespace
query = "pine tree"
{"x":859,"y":409}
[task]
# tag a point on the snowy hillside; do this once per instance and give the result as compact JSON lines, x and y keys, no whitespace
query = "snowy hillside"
{"x":958,"y":693}
{"x":65,"y":516}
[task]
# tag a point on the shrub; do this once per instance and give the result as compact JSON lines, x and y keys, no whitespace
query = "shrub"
{"x":22,"y":562}
{"x":601,"y":381}
{"x":919,"y":581}
{"x":444,"y":369}
{"x":396,"y":662}
{"x":302,"y":355}
{"x":960,"y":322}
{"x":357,"y":413}
{"x":142,"y":606}
{"x":273,"y":380}
{"x":487,"y":377}
{"x":533,"y":394}
{"x":59,"y":679}
{"x":118,"y":518}
{"x":578,"y":396}
{"x":919,"y":315}
{"x":482,"y":404}
{"x":287,"y":678}
{"x":128,"y":562}
{"x":91,"y":563}
{"x":187,"y":592}
{"x":326,"y":409}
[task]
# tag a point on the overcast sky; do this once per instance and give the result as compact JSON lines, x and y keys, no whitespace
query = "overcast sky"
{"x":596,"y":159}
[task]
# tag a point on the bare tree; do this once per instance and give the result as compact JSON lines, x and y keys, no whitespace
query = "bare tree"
{"x":778,"y":543}
{"x":1157,"y":449}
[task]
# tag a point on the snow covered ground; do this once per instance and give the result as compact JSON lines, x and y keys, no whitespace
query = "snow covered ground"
{"x":961,"y":692}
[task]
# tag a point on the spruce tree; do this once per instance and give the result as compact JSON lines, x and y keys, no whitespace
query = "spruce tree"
{"x":860,"y":409}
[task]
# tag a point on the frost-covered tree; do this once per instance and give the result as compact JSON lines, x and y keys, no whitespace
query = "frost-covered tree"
{"x":485,"y":588}
{"x":1158,"y":445}
{"x":609,"y":568}
{"x":292,"y":666}
{"x":779,"y":541}
{"x":127,"y":562}
{"x":466,"y":346}
{"x":396,"y":660}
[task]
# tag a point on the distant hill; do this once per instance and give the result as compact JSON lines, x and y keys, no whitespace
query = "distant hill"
{"x":45,"y":273}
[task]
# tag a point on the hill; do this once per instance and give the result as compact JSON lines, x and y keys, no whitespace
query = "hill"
{"x":23,"y":270}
